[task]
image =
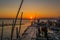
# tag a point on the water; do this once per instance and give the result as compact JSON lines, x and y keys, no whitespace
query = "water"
{"x":7,"y":29}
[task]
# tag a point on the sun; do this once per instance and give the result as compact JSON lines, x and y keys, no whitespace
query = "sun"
{"x":31,"y":17}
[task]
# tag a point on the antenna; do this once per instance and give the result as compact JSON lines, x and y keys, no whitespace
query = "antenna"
{"x":16,"y":19}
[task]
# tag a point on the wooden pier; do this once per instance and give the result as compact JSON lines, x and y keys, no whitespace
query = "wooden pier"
{"x":31,"y":34}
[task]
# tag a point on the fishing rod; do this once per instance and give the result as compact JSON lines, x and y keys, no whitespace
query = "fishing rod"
{"x":20,"y":22}
{"x":16,"y":19}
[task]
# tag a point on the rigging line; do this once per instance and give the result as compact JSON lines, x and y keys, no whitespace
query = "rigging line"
{"x":16,"y":19}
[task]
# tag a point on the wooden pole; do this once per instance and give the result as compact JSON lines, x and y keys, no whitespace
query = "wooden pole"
{"x":2,"y":30}
{"x":16,"y":19}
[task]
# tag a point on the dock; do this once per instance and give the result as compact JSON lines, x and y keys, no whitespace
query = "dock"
{"x":31,"y":34}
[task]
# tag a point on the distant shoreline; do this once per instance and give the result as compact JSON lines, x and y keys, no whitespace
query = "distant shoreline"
{"x":26,"y":18}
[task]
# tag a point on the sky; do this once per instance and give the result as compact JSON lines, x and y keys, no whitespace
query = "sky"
{"x":30,"y":8}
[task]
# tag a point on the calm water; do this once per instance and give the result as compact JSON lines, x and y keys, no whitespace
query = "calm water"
{"x":7,"y":29}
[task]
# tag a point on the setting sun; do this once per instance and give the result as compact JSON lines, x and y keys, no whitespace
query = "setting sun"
{"x":31,"y":17}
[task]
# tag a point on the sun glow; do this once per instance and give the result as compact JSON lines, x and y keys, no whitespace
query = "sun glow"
{"x":31,"y":17}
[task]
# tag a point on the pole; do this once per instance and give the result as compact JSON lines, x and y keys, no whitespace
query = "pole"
{"x":20,"y":22}
{"x":2,"y":30}
{"x":16,"y":19}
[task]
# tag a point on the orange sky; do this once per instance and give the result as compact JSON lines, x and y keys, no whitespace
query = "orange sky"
{"x":30,"y":8}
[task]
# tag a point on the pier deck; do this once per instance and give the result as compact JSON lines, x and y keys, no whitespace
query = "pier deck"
{"x":31,"y":31}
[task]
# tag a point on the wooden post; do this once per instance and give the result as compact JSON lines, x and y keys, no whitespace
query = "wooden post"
{"x":2,"y":30}
{"x":12,"y":28}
